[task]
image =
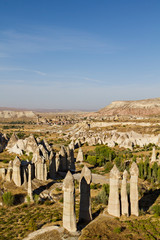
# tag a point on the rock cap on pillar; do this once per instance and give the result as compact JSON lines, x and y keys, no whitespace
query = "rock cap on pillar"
{"x":134,"y":169}
{"x":68,"y":183}
{"x":86,"y":173}
{"x":125,"y":174}
{"x":114,"y":173}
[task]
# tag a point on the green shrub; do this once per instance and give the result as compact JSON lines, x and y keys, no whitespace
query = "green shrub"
{"x":102,"y":197}
{"x":48,"y":202}
{"x":92,"y":160}
{"x":8,"y":198}
{"x":117,"y":230}
{"x":156,"y":210}
{"x":32,"y":226}
{"x":105,"y":187}
{"x":58,"y":189}
{"x":95,"y":186}
{"x":36,"y":198}
{"x":108,"y":166}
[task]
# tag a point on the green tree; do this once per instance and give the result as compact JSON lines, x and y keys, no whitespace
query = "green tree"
{"x":158,"y":177}
{"x":141,"y":169}
{"x":155,"y":171}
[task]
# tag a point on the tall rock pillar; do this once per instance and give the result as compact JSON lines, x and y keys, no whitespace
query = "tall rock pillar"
{"x":153,"y":158}
{"x":85,"y":214}
{"x":16,"y":176}
{"x":113,"y":202}
{"x":124,"y":196}
{"x":134,"y":189}
{"x":69,"y":216}
{"x":30,"y":193}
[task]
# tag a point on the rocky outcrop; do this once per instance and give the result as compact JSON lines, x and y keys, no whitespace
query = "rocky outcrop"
{"x":17,"y":114}
{"x":3,"y":141}
{"x":113,"y":137}
{"x":139,"y":107}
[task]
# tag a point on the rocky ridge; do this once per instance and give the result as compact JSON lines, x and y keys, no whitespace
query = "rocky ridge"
{"x":17,"y":114}
{"x":139,"y":107}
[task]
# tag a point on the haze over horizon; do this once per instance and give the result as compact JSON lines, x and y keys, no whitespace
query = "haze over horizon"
{"x":78,"y":54}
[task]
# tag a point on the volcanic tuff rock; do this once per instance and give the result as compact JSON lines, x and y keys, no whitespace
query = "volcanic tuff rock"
{"x":17,"y":114}
{"x":3,"y":141}
{"x":139,"y":107}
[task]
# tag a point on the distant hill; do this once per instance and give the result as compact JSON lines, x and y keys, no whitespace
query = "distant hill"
{"x":17,"y":114}
{"x":144,"y":107}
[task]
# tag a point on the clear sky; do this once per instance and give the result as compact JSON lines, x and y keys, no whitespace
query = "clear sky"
{"x":78,"y":54}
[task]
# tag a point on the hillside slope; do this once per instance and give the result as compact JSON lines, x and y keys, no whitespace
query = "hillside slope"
{"x":139,"y":107}
{"x":17,"y":114}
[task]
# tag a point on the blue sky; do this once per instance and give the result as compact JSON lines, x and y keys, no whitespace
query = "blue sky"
{"x":78,"y":54}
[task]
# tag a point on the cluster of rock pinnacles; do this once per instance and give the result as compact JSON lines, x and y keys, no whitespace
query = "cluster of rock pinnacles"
{"x":120,"y":205}
{"x":115,"y":208}
{"x":69,"y":216}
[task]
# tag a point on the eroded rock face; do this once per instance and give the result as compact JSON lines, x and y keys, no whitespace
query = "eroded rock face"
{"x":17,"y":114}
{"x":85,"y":214}
{"x":139,"y":107}
{"x":12,"y":141}
{"x":40,"y":165}
{"x":3,"y":142}
{"x":69,"y":216}
{"x":70,"y":159}
{"x":113,"y":202}
{"x":63,"y":165}
{"x":31,"y":144}
{"x":30,"y":193}
{"x":52,"y":165}
{"x":16,"y":176}
{"x":123,"y":139}
{"x":124,"y":195}
{"x":80,"y":157}
{"x":153,"y":158}
{"x":134,"y":171}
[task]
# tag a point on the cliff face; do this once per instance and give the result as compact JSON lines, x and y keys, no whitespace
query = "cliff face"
{"x":139,"y":107}
{"x":17,"y":114}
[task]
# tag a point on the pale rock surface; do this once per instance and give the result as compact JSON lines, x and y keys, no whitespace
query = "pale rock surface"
{"x":31,"y":144}
{"x":9,"y":174}
{"x":57,"y":161}
{"x":80,"y":157}
{"x":47,"y":146}
{"x":16,"y":175}
{"x":30,"y":193}
{"x":43,"y":152}
{"x":3,"y":173}
{"x":113,"y":202}
{"x":124,"y":195}
{"x":69,"y":216}
{"x":40,"y":166}
{"x":72,"y":145}
{"x":134,"y":172}
{"x":153,"y":158}
{"x":12,"y":141}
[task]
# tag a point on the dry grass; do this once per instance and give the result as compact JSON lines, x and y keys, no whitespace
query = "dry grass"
{"x":17,"y":222}
{"x":106,"y":227}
